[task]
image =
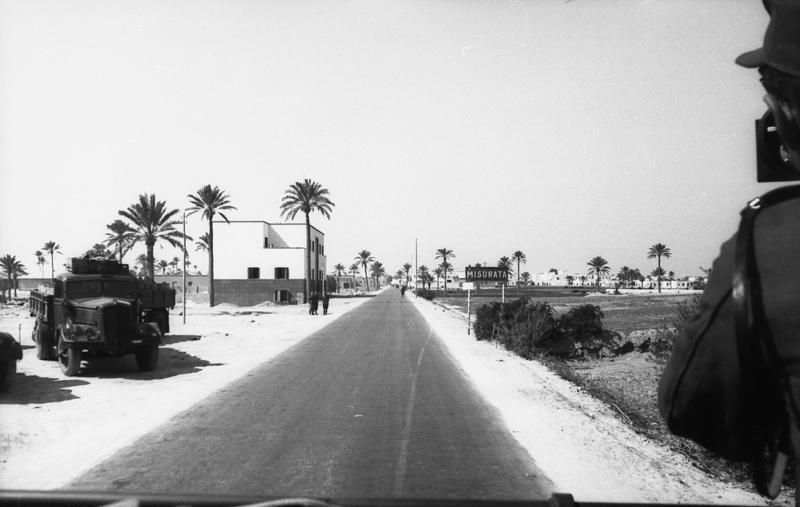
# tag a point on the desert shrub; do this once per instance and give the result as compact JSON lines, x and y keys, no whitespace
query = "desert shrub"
{"x":533,"y":328}
{"x":486,"y":318}
{"x":425,"y":293}
{"x":520,"y":326}
{"x":662,"y":342}
{"x":582,"y":322}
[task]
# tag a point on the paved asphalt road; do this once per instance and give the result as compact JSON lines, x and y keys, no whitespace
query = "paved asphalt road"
{"x":370,"y":406}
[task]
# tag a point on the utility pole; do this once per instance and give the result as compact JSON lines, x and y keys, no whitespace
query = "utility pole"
{"x":416,"y":267}
{"x":184,"y":266}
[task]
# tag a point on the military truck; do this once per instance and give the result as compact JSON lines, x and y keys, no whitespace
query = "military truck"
{"x":100,"y":308}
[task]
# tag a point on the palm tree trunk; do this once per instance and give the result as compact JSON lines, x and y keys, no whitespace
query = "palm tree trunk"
{"x":659,"y":274}
{"x":52,"y":267}
{"x":211,"y":298}
{"x":150,"y":261}
{"x":366,"y":276}
{"x":308,"y":257}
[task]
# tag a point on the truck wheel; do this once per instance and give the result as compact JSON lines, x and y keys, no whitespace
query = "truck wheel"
{"x":44,"y":346}
{"x":8,"y":371}
{"x":69,"y":357}
{"x":147,"y":358}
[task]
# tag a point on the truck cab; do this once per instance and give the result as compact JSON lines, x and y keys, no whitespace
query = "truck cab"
{"x":100,"y":308}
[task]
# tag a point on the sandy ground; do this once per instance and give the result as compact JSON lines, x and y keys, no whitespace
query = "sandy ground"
{"x":576,"y":440}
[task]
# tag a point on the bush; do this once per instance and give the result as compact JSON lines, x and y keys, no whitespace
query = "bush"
{"x":529,"y":329}
{"x":582,"y":322}
{"x":661,"y":344}
{"x":520,"y":326}
{"x":425,"y":293}
{"x":486,"y":318}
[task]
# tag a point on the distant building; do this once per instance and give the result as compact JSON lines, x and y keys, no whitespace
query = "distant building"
{"x":256,"y":261}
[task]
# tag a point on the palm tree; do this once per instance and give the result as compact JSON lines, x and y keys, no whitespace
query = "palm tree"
{"x":211,"y":201}
{"x":505,"y":263}
{"x":407,"y":267}
{"x":519,"y":257}
{"x":658,"y":251}
{"x":598,"y":266}
{"x":12,"y":268}
{"x":163,"y":265}
{"x":52,"y":248}
{"x":41,"y":261}
{"x":202,"y":243}
{"x":141,"y":263}
{"x":624,"y":275}
{"x":153,"y":223}
{"x":120,"y":235}
{"x":526,"y":277}
{"x":353,"y":269}
{"x":439,"y":271}
{"x":425,"y":275}
{"x":378,"y":271}
{"x":174,"y":264}
{"x":444,"y":255}
{"x":364,"y":257}
{"x":339,"y":268}
{"x":306,"y":196}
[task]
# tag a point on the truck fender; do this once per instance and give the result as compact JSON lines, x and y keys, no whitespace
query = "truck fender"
{"x":150,"y":331}
{"x":9,"y":348}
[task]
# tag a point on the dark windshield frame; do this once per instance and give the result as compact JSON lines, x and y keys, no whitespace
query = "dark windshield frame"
{"x":94,"y":288}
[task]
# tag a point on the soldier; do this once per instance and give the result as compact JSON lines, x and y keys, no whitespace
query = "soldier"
{"x":747,"y":322}
{"x":312,"y":303}
{"x":326,"y":298}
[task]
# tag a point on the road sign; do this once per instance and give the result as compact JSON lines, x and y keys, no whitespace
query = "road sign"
{"x":476,"y":274}
{"x":468,"y":286}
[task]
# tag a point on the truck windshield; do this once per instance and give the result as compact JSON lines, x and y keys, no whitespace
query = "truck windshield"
{"x":100,"y":288}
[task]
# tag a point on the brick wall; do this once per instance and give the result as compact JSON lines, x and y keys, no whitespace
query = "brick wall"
{"x":252,"y":292}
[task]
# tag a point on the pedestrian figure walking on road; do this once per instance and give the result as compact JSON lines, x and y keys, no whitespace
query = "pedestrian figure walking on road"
{"x":313,"y":303}
{"x":325,"y":300}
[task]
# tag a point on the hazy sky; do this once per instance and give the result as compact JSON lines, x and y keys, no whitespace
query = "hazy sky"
{"x":565,"y":129}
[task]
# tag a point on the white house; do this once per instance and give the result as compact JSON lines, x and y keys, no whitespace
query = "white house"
{"x":256,"y":261}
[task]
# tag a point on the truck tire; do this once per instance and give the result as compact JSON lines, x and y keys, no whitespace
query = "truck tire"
{"x":44,"y":345}
{"x":69,"y":356}
{"x":147,"y":357}
{"x":8,"y":372}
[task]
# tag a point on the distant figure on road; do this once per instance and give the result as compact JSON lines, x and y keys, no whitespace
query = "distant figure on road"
{"x":402,"y":291}
{"x":313,"y":303}
{"x":326,"y":298}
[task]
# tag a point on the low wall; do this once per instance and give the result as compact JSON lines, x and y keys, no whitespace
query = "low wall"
{"x":253,"y":292}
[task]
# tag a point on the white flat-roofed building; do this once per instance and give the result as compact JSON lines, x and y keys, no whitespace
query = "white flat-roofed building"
{"x":256,"y":261}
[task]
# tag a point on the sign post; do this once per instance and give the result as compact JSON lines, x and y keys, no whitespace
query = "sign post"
{"x":469,"y":286}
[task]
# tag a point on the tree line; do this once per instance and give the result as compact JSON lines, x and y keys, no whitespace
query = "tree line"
{"x":150,"y":221}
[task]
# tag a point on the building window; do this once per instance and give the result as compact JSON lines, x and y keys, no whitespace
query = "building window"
{"x":282,"y":296}
{"x":253,"y":273}
{"x":281,"y":273}
{"x":312,"y":247}
{"x":266,"y":242}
